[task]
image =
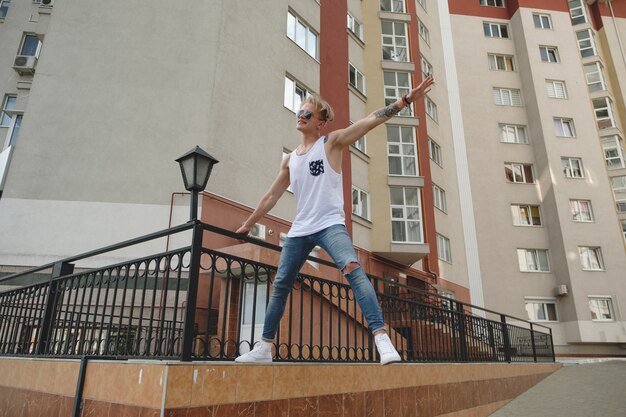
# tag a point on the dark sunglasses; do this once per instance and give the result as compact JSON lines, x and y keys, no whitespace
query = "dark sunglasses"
{"x":304,"y":113}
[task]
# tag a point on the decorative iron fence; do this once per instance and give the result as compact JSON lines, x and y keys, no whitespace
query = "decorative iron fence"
{"x":198,"y":303}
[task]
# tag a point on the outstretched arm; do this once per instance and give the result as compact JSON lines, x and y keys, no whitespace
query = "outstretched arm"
{"x":269,"y":199}
{"x":345,"y":137}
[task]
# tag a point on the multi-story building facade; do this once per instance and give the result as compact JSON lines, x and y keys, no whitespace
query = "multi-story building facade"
{"x":504,"y":188}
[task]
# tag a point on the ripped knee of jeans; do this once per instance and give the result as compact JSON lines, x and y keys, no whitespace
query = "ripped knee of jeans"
{"x":350,"y":266}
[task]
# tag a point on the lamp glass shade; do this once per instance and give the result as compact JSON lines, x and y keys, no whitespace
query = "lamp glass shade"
{"x":196,"y":166}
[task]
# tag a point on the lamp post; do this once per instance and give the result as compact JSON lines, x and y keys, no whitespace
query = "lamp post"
{"x":196,"y":166}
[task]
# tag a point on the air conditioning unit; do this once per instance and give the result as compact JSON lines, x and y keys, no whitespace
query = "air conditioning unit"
{"x":25,"y":64}
{"x":258,"y":231}
{"x":561,"y":289}
{"x":47,"y":3}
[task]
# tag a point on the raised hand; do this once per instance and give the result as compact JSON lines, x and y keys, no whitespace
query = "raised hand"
{"x":421,"y":90}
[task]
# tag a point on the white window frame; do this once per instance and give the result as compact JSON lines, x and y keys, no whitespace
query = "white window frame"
{"x":564,"y":127}
{"x":591,"y":258}
{"x":492,"y":3}
{"x":519,"y":170}
{"x":427,"y":68}
{"x":356,"y":78}
{"x":613,"y":147}
{"x":501,"y":62}
{"x":578,"y":10}
{"x":595,"y":77}
{"x":423,"y":4}
{"x":507,"y":97}
{"x":594,"y":301}
{"x":361,"y":207}
{"x":4,"y":8}
{"x":431,"y":109}
{"x":14,"y":130}
{"x":395,"y":46}
{"x":395,"y":6}
{"x":582,"y":210}
{"x":572,"y":167}
{"x":444,"y":252}
{"x":408,"y":211}
{"x":556,"y":89}
{"x":542,"y":21}
{"x":623,"y":222}
{"x":439,"y":198}
{"x":297,"y":91}
{"x":496,"y":30}
{"x":542,"y":303}
{"x":434,"y":152}
{"x":7,"y":105}
{"x":549,"y":54}
{"x":392,"y":92}
{"x":423,"y":31}
{"x":355,"y":26}
{"x":618,"y":185}
{"x":310,"y":42}
{"x":603,"y":111}
{"x":526,"y":215}
{"x":406,"y":150}
{"x":23,"y":41}
{"x":517,"y":133}
{"x":586,"y":44}
{"x":529,"y":260}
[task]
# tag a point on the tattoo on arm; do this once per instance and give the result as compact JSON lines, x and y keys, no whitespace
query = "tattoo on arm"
{"x":389,"y":111}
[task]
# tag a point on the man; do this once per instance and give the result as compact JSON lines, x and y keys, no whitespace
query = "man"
{"x":314,"y":172}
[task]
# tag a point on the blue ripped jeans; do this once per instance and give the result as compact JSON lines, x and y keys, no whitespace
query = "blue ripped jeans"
{"x":336,"y":241}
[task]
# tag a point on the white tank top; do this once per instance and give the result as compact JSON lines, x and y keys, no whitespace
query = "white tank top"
{"x":318,"y":189}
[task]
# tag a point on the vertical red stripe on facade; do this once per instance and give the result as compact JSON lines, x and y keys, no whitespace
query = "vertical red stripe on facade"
{"x":430,"y":262}
{"x":334,"y":82}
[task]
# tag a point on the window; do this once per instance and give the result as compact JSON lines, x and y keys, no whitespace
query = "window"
{"x":507,"y":97}
{"x":595,"y":78}
{"x":443,"y":248}
{"x":501,"y":62}
{"x":525,"y":215}
{"x":603,"y":109}
{"x":299,"y":32}
{"x":401,"y":150}
{"x":618,"y":184}
{"x":423,"y":4}
{"x":356,"y":78}
{"x":395,"y":41}
{"x":601,"y":308}
{"x":423,"y":31}
{"x":14,"y":129}
{"x":519,"y":173}
{"x":496,"y":30}
{"x":31,"y":45}
{"x":492,"y":3}
{"x":4,"y":8}
{"x":397,"y":84}
{"x":434,"y":152}
{"x":431,"y":109}
{"x":581,"y":210}
{"x":513,"y":134}
{"x":586,"y":44}
{"x":427,"y":69}
{"x":556,"y":89}
{"x":395,"y":6}
{"x":591,"y":258}
{"x":355,"y":26}
{"x":542,"y":21}
{"x":360,"y":203}
{"x":624,"y":229}
{"x":613,"y":147}
{"x":577,"y":11}
{"x":533,"y":260}
{"x":406,"y":216}
{"x":439,"y":197}
{"x":361,"y":144}
{"x":572,"y":167}
{"x":564,"y":127}
{"x":541,"y":310}
{"x":549,"y":54}
{"x":294,"y":94}
{"x":9,"y":104}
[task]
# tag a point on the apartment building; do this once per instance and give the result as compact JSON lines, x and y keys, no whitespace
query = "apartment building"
{"x":505,"y":188}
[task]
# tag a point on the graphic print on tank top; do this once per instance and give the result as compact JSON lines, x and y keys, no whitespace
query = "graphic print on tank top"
{"x":316,"y":167}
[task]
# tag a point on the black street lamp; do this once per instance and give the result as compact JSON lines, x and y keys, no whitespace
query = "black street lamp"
{"x":196,"y":166}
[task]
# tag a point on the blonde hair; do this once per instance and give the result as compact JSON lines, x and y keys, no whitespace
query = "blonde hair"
{"x":322,"y":106}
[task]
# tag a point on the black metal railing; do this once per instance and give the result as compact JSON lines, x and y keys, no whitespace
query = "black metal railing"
{"x":200,"y":303}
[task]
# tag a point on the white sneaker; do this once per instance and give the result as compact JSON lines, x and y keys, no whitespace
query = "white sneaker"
{"x":388,"y":354}
{"x":261,"y":353}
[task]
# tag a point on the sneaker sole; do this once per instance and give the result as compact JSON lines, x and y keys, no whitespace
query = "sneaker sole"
{"x":253,"y":362}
